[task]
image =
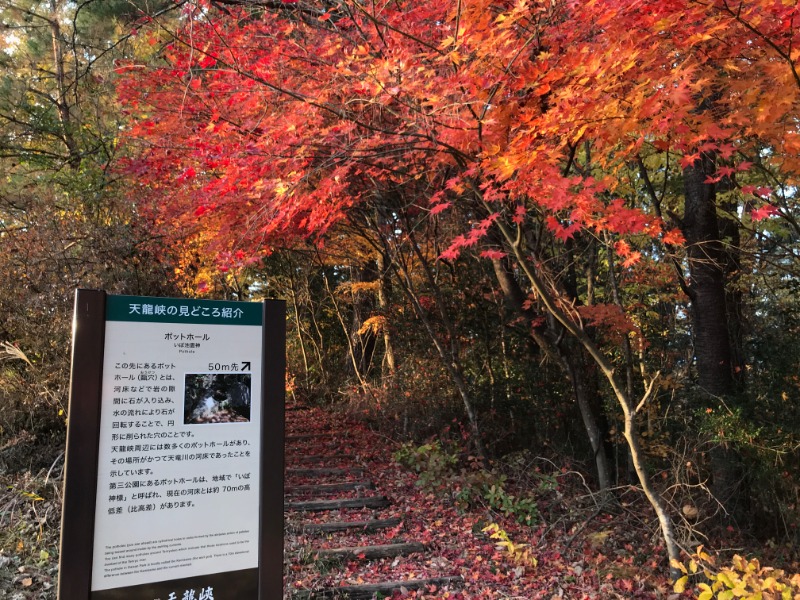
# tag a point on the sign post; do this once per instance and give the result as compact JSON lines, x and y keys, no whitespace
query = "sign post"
{"x":174,"y":469}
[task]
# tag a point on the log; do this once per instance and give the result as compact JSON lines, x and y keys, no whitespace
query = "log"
{"x":325,"y":471}
{"x":369,"y":552}
{"x":369,"y":591}
{"x":323,"y":488}
{"x":320,"y":505}
{"x":334,"y":526}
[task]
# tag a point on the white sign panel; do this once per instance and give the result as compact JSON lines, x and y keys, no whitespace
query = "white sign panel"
{"x":180,"y":442}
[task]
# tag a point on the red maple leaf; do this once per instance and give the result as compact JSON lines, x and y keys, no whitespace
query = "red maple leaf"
{"x":493,"y":254}
{"x":764,"y":212}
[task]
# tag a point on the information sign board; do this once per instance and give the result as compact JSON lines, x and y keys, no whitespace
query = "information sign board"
{"x":184,"y":424}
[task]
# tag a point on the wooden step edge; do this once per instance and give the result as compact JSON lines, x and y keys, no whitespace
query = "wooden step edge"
{"x":323,"y":457}
{"x":370,"y":590}
{"x":325,"y":471}
{"x":337,"y":504}
{"x":322,"y":488}
{"x":369,"y":552}
{"x":336,"y":526}
{"x":303,"y":449}
{"x":321,"y":435}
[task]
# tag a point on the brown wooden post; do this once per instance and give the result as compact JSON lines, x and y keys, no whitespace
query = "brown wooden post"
{"x":80,"y":469}
{"x":272,"y":449}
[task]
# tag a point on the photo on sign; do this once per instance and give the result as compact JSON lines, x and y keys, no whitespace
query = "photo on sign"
{"x":216,"y":398}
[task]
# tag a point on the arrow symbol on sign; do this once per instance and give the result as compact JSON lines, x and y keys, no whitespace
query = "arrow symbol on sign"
{"x":245,"y":366}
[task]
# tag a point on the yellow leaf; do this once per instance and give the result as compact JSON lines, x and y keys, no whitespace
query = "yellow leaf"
{"x":704,"y":555}
{"x":680,"y":585}
{"x":769,"y":583}
{"x":576,"y":138}
{"x":505,"y":167}
{"x":678,"y":565}
{"x":725,"y":580}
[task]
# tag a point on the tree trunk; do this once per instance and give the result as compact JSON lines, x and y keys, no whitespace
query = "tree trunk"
{"x":363,"y":341}
{"x":539,"y":278}
{"x":708,"y":265}
{"x":298,"y":327}
{"x":571,"y":362}
{"x":62,"y":105}
{"x":383,"y":304}
{"x":707,"y":262}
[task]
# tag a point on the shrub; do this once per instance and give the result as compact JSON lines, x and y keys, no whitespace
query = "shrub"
{"x":742,"y":578}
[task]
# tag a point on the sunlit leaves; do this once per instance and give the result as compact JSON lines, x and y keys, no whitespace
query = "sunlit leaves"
{"x":271,"y":128}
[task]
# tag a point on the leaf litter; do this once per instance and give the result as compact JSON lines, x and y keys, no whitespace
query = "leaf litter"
{"x":582,"y":550}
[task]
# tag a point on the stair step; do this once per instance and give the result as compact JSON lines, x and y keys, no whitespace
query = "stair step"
{"x":321,"y":457}
{"x":301,"y":437}
{"x":334,"y":526}
{"x":325,"y":471}
{"x":369,"y":552}
{"x":369,"y":591}
{"x":321,"y":505}
{"x":302,"y":449}
{"x":323,"y":488}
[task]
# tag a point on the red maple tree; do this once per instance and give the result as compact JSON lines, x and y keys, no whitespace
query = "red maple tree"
{"x":267,"y":123}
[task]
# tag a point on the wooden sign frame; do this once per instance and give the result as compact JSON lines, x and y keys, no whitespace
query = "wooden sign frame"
{"x":83,"y":439}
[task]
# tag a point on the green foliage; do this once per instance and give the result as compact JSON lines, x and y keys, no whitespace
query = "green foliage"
{"x":437,"y":465}
{"x":433,"y":462}
{"x":760,"y":431}
{"x":729,"y":425}
{"x":63,"y":224}
{"x":524,"y":510}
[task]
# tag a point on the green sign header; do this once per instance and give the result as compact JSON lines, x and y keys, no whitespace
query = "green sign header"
{"x":186,"y":310}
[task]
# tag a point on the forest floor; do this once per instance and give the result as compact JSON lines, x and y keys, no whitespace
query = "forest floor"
{"x":573,"y":547}
{"x":31,"y":478}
